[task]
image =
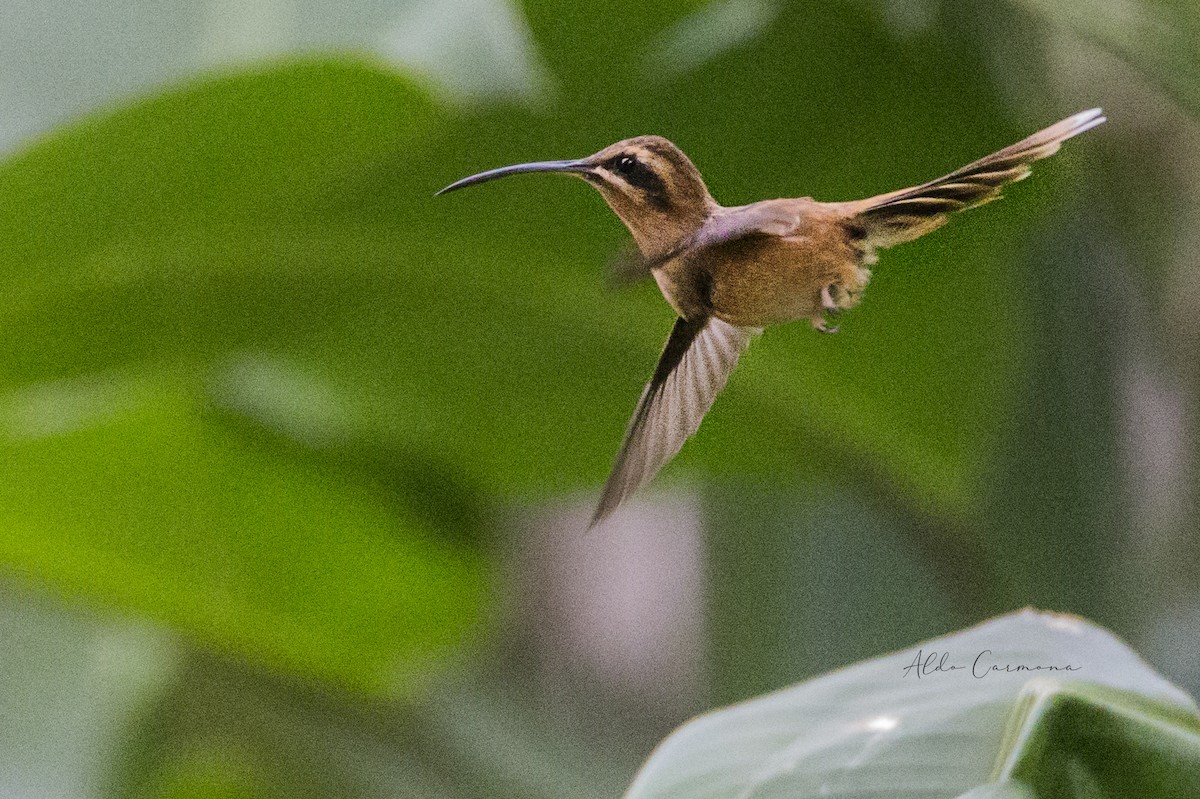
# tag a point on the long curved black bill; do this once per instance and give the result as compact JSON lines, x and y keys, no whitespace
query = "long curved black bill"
{"x":537,"y":166}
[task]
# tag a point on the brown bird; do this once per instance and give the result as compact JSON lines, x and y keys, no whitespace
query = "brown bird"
{"x":729,"y":272}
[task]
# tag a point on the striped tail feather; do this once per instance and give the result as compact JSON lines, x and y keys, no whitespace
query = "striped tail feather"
{"x":904,"y":215}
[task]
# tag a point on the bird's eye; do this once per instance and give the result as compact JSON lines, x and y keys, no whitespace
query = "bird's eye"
{"x":624,"y":165}
{"x":639,"y":175}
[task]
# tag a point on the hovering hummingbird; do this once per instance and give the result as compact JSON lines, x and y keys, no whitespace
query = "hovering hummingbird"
{"x":729,"y":272}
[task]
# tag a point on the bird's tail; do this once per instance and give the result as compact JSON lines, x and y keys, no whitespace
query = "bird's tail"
{"x":904,"y":215}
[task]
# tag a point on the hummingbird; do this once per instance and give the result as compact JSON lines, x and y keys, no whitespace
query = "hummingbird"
{"x":730,"y":272}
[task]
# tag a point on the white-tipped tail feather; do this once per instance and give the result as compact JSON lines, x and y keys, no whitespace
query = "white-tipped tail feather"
{"x":904,"y":215}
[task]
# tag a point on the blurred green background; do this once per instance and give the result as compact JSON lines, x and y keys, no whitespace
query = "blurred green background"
{"x":295,"y":460}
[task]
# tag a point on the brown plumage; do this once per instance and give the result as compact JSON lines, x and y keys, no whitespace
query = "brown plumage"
{"x":729,"y":272}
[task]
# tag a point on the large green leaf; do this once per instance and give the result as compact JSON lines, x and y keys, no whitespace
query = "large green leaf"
{"x":947,"y":717}
{"x":162,"y":449}
{"x":122,"y":490}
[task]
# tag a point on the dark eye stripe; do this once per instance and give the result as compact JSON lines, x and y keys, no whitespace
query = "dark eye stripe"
{"x":640,"y":176}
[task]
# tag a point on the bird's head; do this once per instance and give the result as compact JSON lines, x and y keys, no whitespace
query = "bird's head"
{"x":648,"y":182}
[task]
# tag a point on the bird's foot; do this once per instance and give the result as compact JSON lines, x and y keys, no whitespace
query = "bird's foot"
{"x":830,"y":307}
{"x":819,"y":325}
{"x":827,"y":301}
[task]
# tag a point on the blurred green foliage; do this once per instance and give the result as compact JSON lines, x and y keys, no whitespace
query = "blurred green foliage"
{"x":1158,"y":38}
{"x":259,"y":387}
{"x":169,"y":294}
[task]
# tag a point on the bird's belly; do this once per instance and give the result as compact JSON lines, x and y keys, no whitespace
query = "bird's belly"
{"x":780,"y":280}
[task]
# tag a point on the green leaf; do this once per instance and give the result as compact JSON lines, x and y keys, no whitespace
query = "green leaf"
{"x":1088,"y":740}
{"x":944,"y":718}
{"x":999,"y":790}
{"x":123,"y":489}
{"x":170,"y":443}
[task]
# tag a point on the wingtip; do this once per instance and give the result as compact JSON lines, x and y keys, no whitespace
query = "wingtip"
{"x":604,"y":510}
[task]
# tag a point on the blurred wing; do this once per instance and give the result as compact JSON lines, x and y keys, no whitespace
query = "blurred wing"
{"x":693,"y":369}
{"x":767,"y":218}
{"x":627,"y":267}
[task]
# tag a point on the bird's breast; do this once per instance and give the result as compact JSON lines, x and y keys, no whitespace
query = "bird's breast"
{"x":770,"y":280}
